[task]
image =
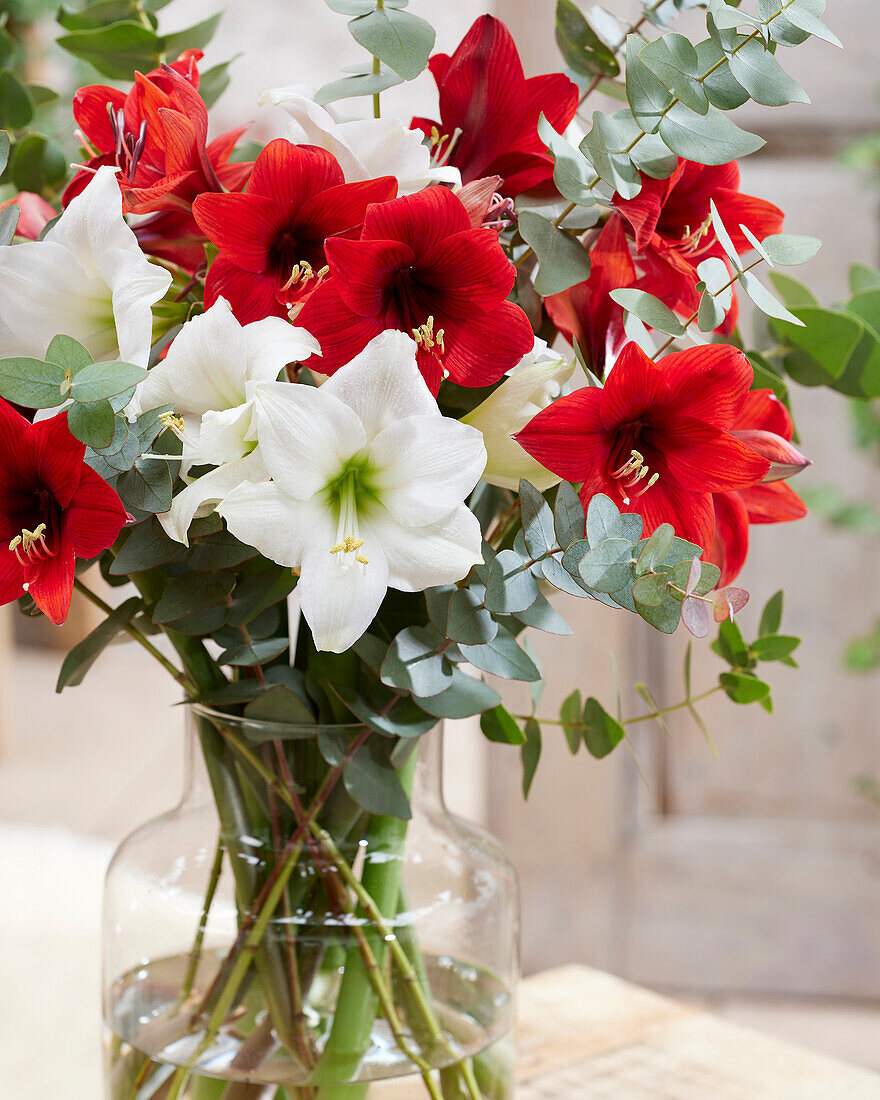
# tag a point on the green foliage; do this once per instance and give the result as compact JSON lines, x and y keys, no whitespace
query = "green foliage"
{"x":83,"y":655}
{"x":500,"y":726}
{"x":563,"y":261}
{"x":583,"y":50}
{"x":399,"y":39}
{"x":118,"y":37}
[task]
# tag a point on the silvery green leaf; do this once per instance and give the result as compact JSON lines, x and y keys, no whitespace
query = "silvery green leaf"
{"x":350,"y":87}
{"x":710,"y":314}
{"x":413,"y":663}
{"x":635,"y":330}
{"x":649,"y":309}
{"x":790,"y":250}
{"x":756,"y":244}
{"x":763,"y":77}
{"x":465,"y":697}
{"x":650,"y":590}
{"x":673,"y":60}
{"x":764,"y":300}
{"x":563,"y":260}
{"x":707,"y":139}
{"x":655,"y":549}
{"x":568,"y":515}
{"x":802,"y":15}
{"x":469,"y":621}
{"x":584,"y":51}
{"x":543,"y":616}
{"x":727,"y":17}
{"x":863,"y":277}
{"x":511,"y":586}
{"x":722,"y":89}
{"x":603,"y":520}
{"x":399,"y":39}
{"x":648,"y":97}
{"x":537,"y":521}
{"x":573,"y":174}
{"x":724,"y":237}
{"x":502,"y":657}
{"x":613,"y":166}
{"x":554,"y":572}
{"x":652,"y":157}
{"x":607,"y":26}
{"x":607,"y":566}
{"x":9,"y":216}
{"x":714,"y":273}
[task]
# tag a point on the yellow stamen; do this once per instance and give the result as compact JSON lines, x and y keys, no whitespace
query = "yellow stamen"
{"x":632,"y":472}
{"x":30,"y":544}
{"x":427,"y":338}
{"x":348,"y":545}
{"x":174,"y":422}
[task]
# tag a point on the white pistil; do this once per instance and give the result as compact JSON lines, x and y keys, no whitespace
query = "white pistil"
{"x":348,"y":539}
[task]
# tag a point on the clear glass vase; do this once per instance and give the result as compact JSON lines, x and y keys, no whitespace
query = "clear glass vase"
{"x":268,"y":939}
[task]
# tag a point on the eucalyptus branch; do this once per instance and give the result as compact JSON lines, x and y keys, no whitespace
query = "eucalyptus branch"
{"x":657,"y":714}
{"x":136,"y":635}
{"x":712,"y":294}
{"x":669,"y":107}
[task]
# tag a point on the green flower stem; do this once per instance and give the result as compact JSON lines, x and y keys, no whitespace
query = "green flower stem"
{"x":654,"y":714}
{"x":196,"y":952}
{"x":359,"y":995}
{"x":134,"y":633}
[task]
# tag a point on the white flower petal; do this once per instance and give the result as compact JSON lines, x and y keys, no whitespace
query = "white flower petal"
{"x":383,"y":383}
{"x":273,"y":343}
{"x":426,"y":466}
{"x":365,"y":148}
{"x":263,"y":516}
{"x":206,"y":491}
{"x":306,"y":435}
{"x":135,"y":286}
{"x":531,"y":385}
{"x":45,"y":291}
{"x":439,"y":553}
{"x":339,"y":596}
{"x":93,"y":223}
{"x":223,"y":436}
{"x":205,"y":366}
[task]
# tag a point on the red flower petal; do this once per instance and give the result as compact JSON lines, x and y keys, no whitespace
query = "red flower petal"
{"x":90,"y":112}
{"x":16,"y":461}
{"x":556,"y":97}
{"x":763,"y":409}
{"x":635,"y":386}
{"x":773,"y":503}
{"x":363,"y":270}
{"x":730,"y":545}
{"x":220,"y":149}
{"x":243,"y":227}
{"x":701,"y":458}
{"x":289,"y":173}
{"x":95,"y":517}
{"x":466,"y":272}
{"x":419,"y":220}
{"x":57,"y":457}
{"x":11,"y":577}
{"x":643,"y":212}
{"x":251,"y":296}
{"x":51,"y":583}
{"x":709,"y":383}
{"x":340,"y":210}
{"x":340,"y":332}
{"x":483,"y":347}
{"x":568,"y":438}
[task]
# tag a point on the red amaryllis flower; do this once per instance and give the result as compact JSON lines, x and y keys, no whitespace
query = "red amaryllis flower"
{"x":671,"y":223}
{"x":53,"y":510}
{"x":764,"y":425}
{"x":271,"y":238}
{"x":489,"y":111}
{"x":585,"y":312}
{"x":656,"y":438}
{"x":157,"y":134}
{"x":421,"y":268}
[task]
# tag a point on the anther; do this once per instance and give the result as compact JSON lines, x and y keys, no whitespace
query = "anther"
{"x":427,"y":338}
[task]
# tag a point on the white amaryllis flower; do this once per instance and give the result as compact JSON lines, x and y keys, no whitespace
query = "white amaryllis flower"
{"x":365,"y":148}
{"x":87,"y":278}
{"x":367,"y":491}
{"x":209,"y":375}
{"x":529,"y":387}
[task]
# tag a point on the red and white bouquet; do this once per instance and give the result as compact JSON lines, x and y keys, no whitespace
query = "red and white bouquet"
{"x":339,"y":414}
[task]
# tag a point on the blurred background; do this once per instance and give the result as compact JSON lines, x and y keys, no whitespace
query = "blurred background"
{"x":747,"y":880}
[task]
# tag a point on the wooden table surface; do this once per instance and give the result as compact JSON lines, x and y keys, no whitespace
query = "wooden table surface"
{"x":586,"y":1035}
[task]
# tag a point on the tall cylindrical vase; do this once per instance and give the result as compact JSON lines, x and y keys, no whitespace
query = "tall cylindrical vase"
{"x":271,"y":939}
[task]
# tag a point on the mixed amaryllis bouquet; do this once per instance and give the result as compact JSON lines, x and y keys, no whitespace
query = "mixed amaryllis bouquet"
{"x":339,"y":415}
